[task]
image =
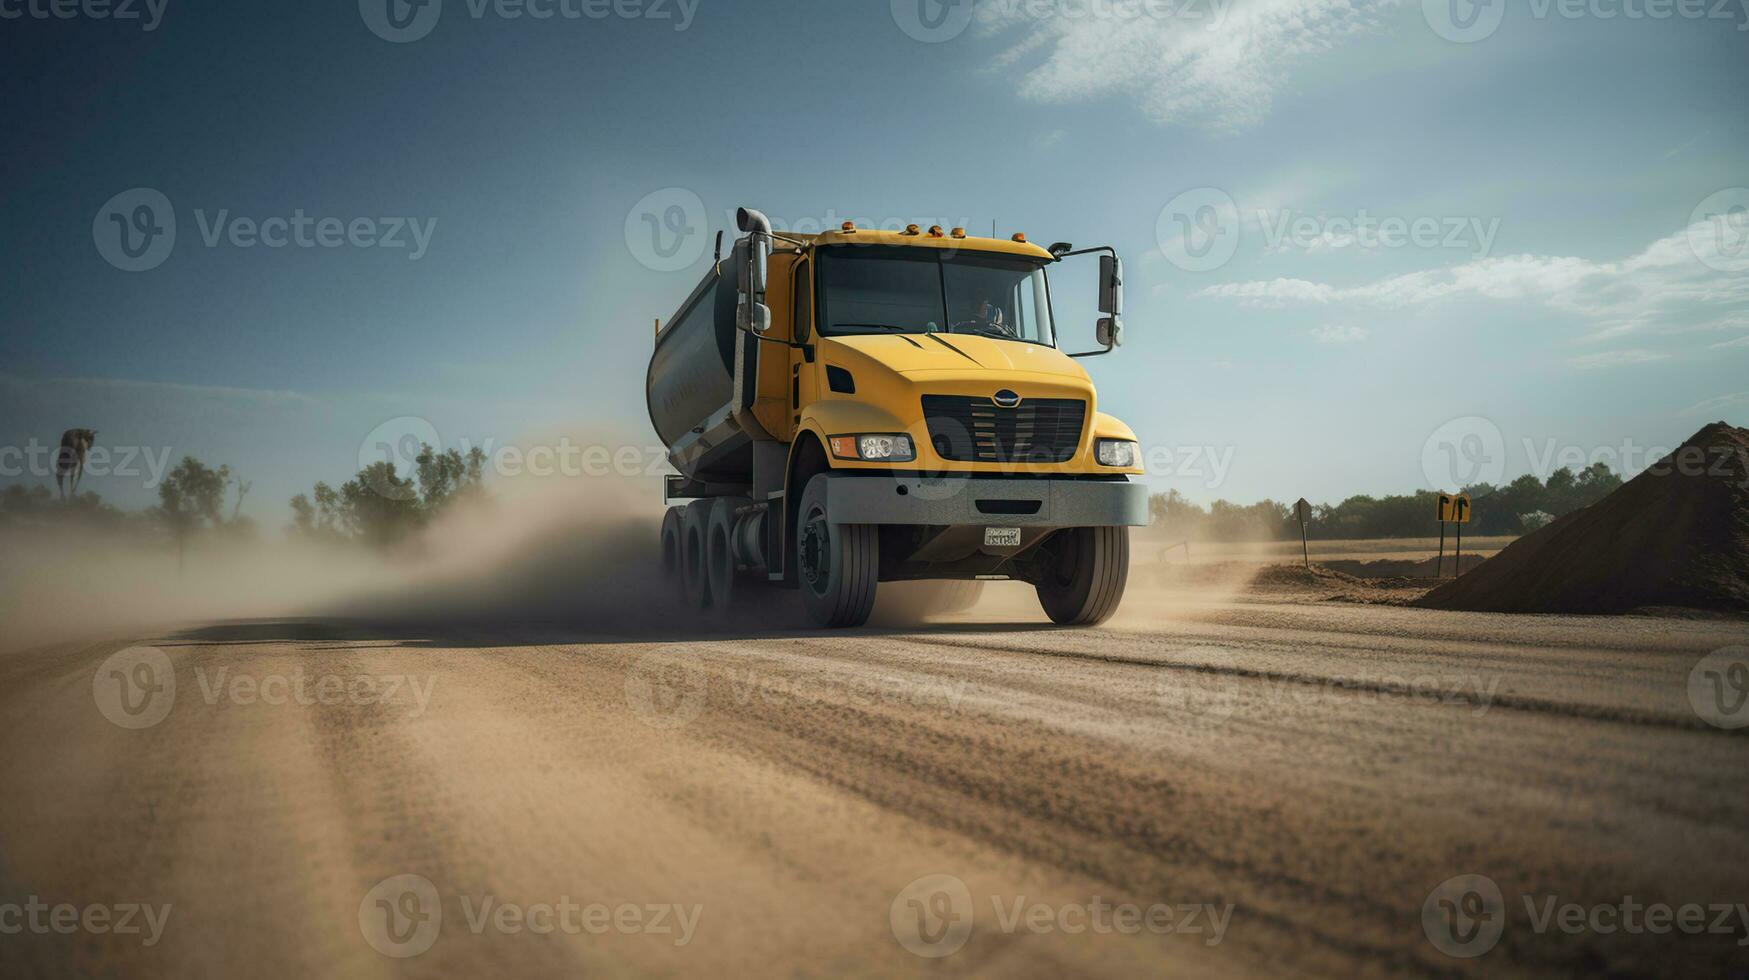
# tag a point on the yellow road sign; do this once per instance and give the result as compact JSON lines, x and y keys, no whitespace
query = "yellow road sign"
{"x":1454,"y":508}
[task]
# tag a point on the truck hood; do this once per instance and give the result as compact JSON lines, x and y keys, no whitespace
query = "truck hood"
{"x":925,"y":355}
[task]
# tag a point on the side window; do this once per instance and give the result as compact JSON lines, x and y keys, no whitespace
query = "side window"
{"x":804,"y":301}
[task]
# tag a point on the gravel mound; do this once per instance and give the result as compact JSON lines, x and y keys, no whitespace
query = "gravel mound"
{"x":1677,"y":535}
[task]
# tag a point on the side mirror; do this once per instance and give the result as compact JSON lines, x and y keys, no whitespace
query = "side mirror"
{"x":1111,"y":285}
{"x":1109,"y":332}
{"x":752,"y":262}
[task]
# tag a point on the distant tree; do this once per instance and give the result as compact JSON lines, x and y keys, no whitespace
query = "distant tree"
{"x":446,"y":476}
{"x":190,"y":498}
{"x":379,"y":507}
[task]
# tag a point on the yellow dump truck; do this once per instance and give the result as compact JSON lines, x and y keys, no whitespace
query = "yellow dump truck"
{"x":864,"y":406}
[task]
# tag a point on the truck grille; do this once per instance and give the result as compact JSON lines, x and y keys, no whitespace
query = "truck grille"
{"x":976,"y":430}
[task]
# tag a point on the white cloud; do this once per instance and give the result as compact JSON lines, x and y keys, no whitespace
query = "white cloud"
{"x":1211,"y":63}
{"x":1680,"y":283}
{"x":1718,"y":404}
{"x":1340,"y":334}
{"x":1615,"y":358}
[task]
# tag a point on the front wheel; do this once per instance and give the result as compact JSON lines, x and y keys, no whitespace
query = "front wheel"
{"x":838,"y":565}
{"x":1085,"y":575}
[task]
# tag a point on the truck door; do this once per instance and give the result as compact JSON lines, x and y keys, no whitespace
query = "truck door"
{"x":805,"y":369}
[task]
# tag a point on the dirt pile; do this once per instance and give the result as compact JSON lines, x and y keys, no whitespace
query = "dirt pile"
{"x":1677,"y":535}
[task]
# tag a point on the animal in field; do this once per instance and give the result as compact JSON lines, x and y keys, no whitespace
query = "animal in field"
{"x":70,"y":459}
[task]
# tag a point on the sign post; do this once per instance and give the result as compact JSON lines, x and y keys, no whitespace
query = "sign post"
{"x":1444,"y":508}
{"x":1461,"y":515}
{"x":1453,"y":509}
{"x":1303,"y":510}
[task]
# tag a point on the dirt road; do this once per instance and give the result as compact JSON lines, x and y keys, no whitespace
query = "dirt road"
{"x":1222,"y":788}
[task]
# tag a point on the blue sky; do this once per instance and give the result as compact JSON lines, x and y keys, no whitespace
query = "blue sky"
{"x":1569,"y":287}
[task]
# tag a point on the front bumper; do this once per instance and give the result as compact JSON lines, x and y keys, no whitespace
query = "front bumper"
{"x":955,"y":500}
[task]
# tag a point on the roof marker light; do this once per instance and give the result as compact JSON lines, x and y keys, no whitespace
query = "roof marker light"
{"x":1020,"y":236}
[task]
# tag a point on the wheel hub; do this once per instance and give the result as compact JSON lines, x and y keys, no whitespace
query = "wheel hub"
{"x":814,"y":548}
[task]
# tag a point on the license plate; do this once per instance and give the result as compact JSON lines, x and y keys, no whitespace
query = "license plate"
{"x":1002,"y":537}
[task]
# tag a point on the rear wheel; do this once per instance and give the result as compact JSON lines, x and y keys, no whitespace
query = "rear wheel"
{"x":671,"y":557}
{"x":719,"y":551}
{"x":1085,"y":576}
{"x":838,"y":565}
{"x":694,"y":578}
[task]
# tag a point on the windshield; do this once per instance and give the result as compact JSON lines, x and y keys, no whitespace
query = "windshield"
{"x":919,"y":290}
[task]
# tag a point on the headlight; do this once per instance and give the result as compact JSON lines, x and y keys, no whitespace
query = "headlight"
{"x":1117,"y":452}
{"x":879,"y":448}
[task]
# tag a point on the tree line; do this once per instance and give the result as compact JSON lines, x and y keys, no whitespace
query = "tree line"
{"x":1519,"y":507}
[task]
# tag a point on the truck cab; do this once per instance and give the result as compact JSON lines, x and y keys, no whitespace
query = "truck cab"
{"x":871,"y":405}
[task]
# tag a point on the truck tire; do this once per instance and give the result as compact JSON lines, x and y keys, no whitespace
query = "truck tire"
{"x":837,"y":565}
{"x":694,"y":579}
{"x":720,"y":566}
{"x":670,"y":549}
{"x":1085,"y":580}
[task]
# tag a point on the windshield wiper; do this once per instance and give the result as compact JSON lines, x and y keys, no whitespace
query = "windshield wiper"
{"x":876,"y":326}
